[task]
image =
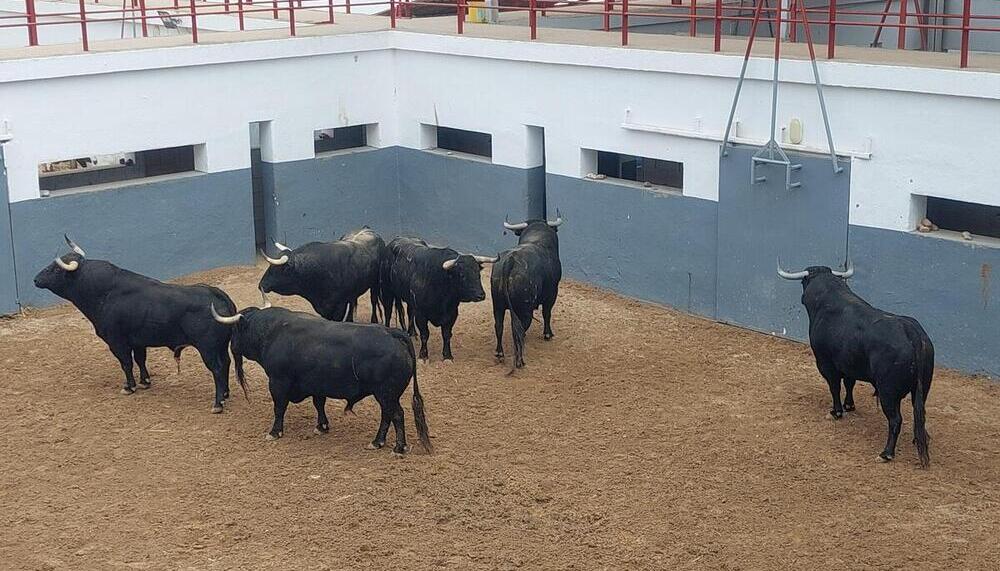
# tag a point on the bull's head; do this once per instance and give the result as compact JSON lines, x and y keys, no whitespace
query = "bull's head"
{"x":520,"y":227}
{"x":280,"y":276}
{"x":464,"y":271}
{"x":812,"y":272}
{"x":62,"y":272}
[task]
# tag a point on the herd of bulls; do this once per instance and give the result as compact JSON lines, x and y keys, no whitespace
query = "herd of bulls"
{"x":331,"y":357}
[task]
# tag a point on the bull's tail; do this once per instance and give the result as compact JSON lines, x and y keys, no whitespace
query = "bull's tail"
{"x":419,"y":416}
{"x":517,"y":330}
{"x":924,"y":372}
{"x":177,"y":356}
{"x":241,"y":376}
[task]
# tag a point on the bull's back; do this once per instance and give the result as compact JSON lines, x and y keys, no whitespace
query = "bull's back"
{"x":149,"y":313}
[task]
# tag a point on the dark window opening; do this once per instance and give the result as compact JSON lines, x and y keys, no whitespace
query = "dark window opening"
{"x":960,"y":216}
{"x":641,"y":169}
{"x":103,"y":169}
{"x":326,"y":140}
{"x":470,"y":142}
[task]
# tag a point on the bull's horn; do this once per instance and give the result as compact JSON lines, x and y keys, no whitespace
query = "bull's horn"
{"x":72,"y":246}
{"x":557,"y":221}
{"x":264,"y":300}
{"x":70,"y":267}
{"x":449,"y":264}
{"x":279,"y":262}
{"x":225,"y":320}
{"x":846,"y":273}
{"x":281,"y":247}
{"x":791,"y":275}
{"x":509,"y":226}
{"x":485,"y":259}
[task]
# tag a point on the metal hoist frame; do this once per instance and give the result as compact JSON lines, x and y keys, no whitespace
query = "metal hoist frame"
{"x":772,"y":153}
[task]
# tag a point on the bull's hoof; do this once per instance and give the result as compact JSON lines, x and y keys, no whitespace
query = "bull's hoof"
{"x":548,"y":336}
{"x":270,"y":436}
{"x":225,"y":395}
{"x":400,"y":451}
{"x":127,"y":390}
{"x":321,"y":429}
{"x":883,"y":458}
{"x":448,"y":360}
{"x":373,"y":445}
{"x":216,"y":408}
{"x":848,"y":408}
{"x":834,"y":415}
{"x":145,"y":384}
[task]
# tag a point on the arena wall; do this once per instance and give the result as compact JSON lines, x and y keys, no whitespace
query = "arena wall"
{"x":548,"y":108}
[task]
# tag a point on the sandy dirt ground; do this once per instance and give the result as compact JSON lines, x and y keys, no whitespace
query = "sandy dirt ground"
{"x":639,"y":438}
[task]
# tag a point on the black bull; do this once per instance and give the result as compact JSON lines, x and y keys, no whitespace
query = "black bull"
{"x":853,"y":341}
{"x":523,"y":278}
{"x":433,"y":282}
{"x":330,"y":275}
{"x":305,"y":356}
{"x":131,"y":312}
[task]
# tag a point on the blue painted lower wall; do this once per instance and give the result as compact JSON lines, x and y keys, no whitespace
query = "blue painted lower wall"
{"x":461,"y":202}
{"x":163,"y":229}
{"x":8,"y":287}
{"x":320,"y":199}
{"x":646,"y":244}
{"x":947,"y":285}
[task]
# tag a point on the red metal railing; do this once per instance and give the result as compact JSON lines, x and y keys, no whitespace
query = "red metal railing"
{"x":716,"y":12}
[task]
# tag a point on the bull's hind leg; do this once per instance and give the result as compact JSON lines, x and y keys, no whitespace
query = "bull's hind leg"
{"x":499,"y":313}
{"x":217,"y":361}
{"x":425,"y":334}
{"x":383,"y":427}
{"x":547,"y":318}
{"x":849,"y":396}
{"x":123,"y":353}
{"x":398,"y":423}
{"x":322,"y":422}
{"x":279,"y":396}
{"x":139,"y":353}
{"x":832,"y":377}
{"x":890,"y":406}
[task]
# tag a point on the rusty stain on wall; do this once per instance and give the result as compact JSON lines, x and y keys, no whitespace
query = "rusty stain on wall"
{"x":985,"y":271}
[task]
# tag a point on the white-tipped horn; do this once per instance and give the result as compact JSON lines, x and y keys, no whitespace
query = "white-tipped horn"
{"x":279,"y":262}
{"x":70,"y":267}
{"x":72,"y":246}
{"x":509,"y":226}
{"x":281,"y":247}
{"x":846,"y":273}
{"x":485,"y":259}
{"x":449,"y":264}
{"x":557,"y":221}
{"x":791,"y":275}
{"x":264,"y":300}
{"x":225,"y":320}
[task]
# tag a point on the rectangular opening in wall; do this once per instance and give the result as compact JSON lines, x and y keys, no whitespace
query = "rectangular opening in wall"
{"x":340,"y":138}
{"x":957,"y":216}
{"x":85,"y":172}
{"x":659,"y":172}
{"x":468,"y":142}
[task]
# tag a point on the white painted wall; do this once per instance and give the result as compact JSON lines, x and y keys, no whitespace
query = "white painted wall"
{"x":927,"y":129}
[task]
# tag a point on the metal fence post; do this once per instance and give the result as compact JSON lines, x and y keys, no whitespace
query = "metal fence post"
{"x":291,"y":17}
{"x":194,"y":23}
{"x":533,"y":18}
{"x":142,"y":14}
{"x":831,"y":30}
{"x":718,"y":25}
{"x":966,"y":16}
{"x":32,"y":17}
{"x":624,"y":22}
{"x":239,"y":13}
{"x":83,"y":26}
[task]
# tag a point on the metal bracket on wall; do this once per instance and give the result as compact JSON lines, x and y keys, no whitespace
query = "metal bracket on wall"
{"x":771,"y":152}
{"x":5,"y":135}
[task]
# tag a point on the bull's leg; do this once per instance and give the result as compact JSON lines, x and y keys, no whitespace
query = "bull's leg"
{"x":123,"y":353}
{"x":383,"y":427}
{"x":398,"y":424}
{"x":446,"y":335}
{"x":849,"y":397}
{"x":890,"y":406}
{"x":424,"y":334}
{"x":524,"y":319}
{"x":832,"y":377}
{"x":409,"y":319}
{"x":351,"y":306}
{"x":139,"y":353}
{"x":280,"y":398}
{"x":499,"y":312}
{"x":322,"y":423}
{"x":217,"y":361}
{"x":387,"y":303}
{"x":547,"y":317}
